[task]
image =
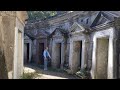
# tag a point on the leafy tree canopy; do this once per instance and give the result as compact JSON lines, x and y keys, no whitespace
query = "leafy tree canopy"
{"x":34,"y":15}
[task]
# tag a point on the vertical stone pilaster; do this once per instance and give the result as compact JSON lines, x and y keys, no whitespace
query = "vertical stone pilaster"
{"x":15,"y":54}
{"x":110,"y":59}
{"x":62,"y":54}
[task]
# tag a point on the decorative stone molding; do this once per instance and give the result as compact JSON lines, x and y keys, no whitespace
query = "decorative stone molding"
{"x":10,"y":13}
{"x":117,"y":23}
{"x":102,"y":27}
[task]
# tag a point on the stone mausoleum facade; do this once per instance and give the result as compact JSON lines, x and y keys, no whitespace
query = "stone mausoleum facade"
{"x":78,"y":40}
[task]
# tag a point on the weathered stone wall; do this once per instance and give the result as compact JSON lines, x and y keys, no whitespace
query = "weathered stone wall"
{"x":117,"y":64}
{"x":9,"y":31}
{"x":7,"y":43}
{"x":90,"y":49}
{"x":7,"y":35}
{"x":3,"y":67}
{"x":117,"y":48}
{"x":34,"y":50}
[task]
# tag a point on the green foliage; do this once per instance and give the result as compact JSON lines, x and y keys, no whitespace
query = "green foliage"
{"x":83,"y":74}
{"x":34,"y":15}
{"x":27,"y":75}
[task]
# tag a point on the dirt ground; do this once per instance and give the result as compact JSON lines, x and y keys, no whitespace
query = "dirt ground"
{"x":49,"y":74}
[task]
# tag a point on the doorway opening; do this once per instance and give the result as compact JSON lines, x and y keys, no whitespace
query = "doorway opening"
{"x":27,"y":52}
{"x":102,"y":58}
{"x":58,"y":55}
{"x":77,"y":55}
{"x":41,"y":50}
{"x":80,"y":53}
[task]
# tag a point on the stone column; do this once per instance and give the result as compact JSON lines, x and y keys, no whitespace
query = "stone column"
{"x":110,"y":59}
{"x":34,"y":50}
{"x":70,"y":55}
{"x":93,"y":58}
{"x":84,"y":53}
{"x":19,"y":56}
{"x":22,"y":51}
{"x":53,"y":54}
{"x":15,"y":54}
{"x":62,"y":54}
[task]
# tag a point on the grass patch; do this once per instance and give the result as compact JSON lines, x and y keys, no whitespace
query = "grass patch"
{"x":29,"y":75}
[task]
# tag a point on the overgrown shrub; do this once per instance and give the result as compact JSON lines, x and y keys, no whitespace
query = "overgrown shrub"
{"x":27,"y":75}
{"x":83,"y":74}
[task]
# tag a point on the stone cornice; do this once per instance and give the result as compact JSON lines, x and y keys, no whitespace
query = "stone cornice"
{"x":21,"y":15}
{"x":102,"y":26}
{"x":8,"y":13}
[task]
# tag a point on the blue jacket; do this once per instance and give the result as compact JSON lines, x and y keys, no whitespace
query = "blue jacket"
{"x":46,"y":54}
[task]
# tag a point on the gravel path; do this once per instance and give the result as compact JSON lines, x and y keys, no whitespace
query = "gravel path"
{"x":49,"y":74}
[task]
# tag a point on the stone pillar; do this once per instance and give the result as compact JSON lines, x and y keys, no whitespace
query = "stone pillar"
{"x":85,"y":45}
{"x":70,"y":56}
{"x":3,"y":64}
{"x":19,"y":55}
{"x":30,"y":46}
{"x":34,"y":50}
{"x":22,"y":52}
{"x":62,"y":54}
{"x":84,"y":53}
{"x":53,"y":54}
{"x":93,"y":58}
{"x":15,"y":54}
{"x":110,"y":59}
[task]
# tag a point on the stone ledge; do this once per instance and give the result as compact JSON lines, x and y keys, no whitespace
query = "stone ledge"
{"x":10,"y":13}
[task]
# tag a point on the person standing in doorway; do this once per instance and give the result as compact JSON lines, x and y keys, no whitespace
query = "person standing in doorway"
{"x":46,"y":56}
